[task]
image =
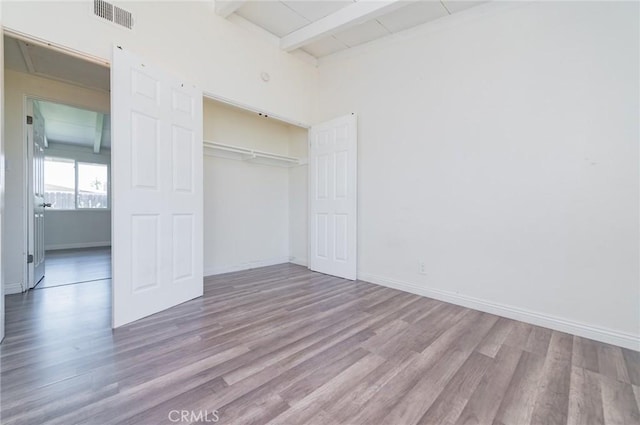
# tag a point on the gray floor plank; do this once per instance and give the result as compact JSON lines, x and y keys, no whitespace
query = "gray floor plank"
{"x":619,"y":403}
{"x":485,"y":400}
{"x":552,"y":400}
{"x":585,"y":398}
{"x":517,"y":405}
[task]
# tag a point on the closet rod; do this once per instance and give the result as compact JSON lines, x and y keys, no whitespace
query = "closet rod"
{"x":251,"y":153}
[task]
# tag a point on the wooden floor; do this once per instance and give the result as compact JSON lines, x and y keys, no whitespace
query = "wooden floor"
{"x":69,"y":266}
{"x":283,"y":345}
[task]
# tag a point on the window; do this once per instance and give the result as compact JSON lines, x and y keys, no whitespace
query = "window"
{"x":92,"y":185}
{"x":60,"y":183}
{"x":70,"y":184}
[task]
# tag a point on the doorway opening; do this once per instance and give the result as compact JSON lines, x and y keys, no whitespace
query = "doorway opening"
{"x":73,"y":161}
{"x":58,"y":105}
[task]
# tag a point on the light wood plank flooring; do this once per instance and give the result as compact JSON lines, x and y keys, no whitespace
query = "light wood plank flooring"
{"x":283,"y":345}
{"x":69,"y":266}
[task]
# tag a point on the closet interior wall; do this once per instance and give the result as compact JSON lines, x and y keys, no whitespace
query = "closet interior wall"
{"x":254,"y":214}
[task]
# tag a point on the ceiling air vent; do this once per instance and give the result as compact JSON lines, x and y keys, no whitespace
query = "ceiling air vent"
{"x":112,"y":13}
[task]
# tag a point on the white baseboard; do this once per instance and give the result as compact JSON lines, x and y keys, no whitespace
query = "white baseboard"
{"x":77,"y":245}
{"x":298,"y":261}
{"x":12,"y":288}
{"x":552,"y":322}
{"x":212,"y":271}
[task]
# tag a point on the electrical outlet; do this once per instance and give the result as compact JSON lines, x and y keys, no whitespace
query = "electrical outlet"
{"x":422,"y":268}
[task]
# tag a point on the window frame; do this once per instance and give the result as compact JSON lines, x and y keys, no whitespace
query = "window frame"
{"x":75,"y":195}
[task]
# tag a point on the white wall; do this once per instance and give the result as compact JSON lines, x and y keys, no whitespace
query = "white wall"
{"x":77,"y":229}
{"x":17,"y":86}
{"x":64,"y":229}
{"x":186,"y":38}
{"x":246,"y":205}
{"x":502,"y":150}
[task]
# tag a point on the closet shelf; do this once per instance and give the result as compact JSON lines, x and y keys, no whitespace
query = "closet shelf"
{"x":237,"y":152}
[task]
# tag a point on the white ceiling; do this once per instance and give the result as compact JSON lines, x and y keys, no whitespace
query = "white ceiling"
{"x":297,"y":19}
{"x":74,"y":126}
{"x":41,"y":61}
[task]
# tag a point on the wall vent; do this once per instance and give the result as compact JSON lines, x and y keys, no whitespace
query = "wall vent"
{"x":112,"y":13}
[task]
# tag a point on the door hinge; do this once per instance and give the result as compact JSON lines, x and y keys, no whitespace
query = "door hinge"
{"x":29,"y":119}
{"x":29,"y":258}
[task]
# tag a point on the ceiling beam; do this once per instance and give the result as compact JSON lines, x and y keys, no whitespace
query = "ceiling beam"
{"x":225,"y":8}
{"x":24,"y":49}
{"x":352,"y":15}
{"x":98,"y":138}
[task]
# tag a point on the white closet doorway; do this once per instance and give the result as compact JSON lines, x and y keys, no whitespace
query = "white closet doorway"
{"x":257,"y":187}
{"x":255,"y":190}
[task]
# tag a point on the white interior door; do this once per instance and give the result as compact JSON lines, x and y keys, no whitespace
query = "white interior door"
{"x":333,"y":197}
{"x":157,"y":183}
{"x":36,"y":239}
